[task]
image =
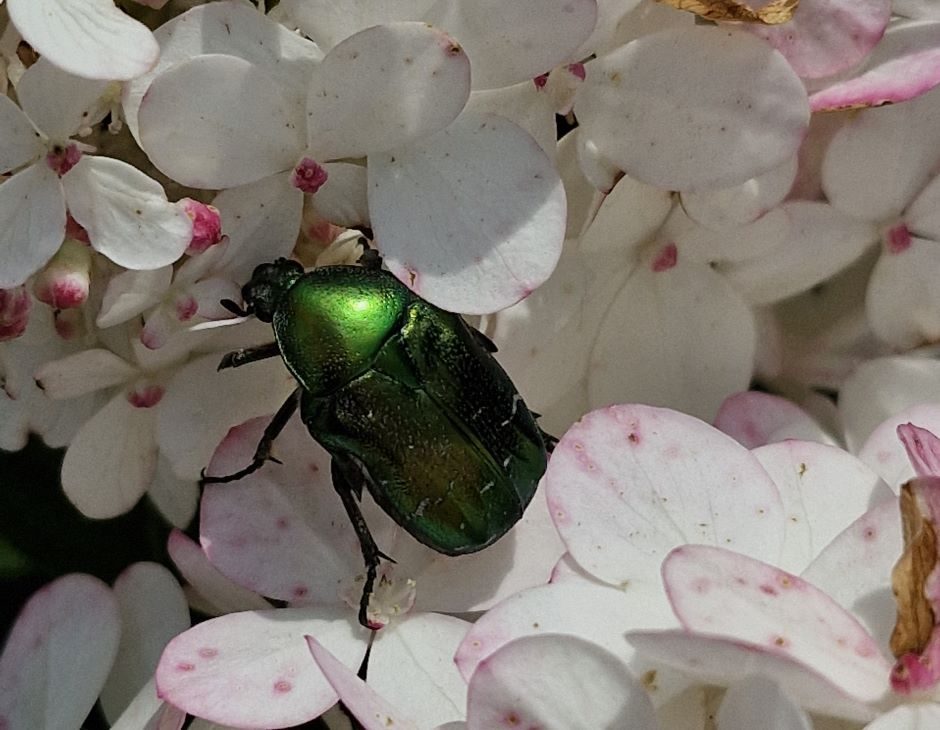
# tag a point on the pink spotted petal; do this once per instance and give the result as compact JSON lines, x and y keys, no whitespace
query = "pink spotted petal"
{"x":253,"y":669}
{"x":723,"y":594}
{"x":61,"y":646}
{"x":755,"y":419}
{"x":923,"y":449}
{"x":539,"y":681}
{"x":628,"y":483}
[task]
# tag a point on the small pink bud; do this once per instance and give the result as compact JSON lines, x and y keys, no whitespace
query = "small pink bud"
{"x":62,"y":158}
{"x":898,"y":239}
{"x":145,"y":395}
{"x":666,"y":258}
{"x":185,"y":307}
{"x":64,"y":282}
{"x":308,"y":176}
{"x":74,"y":230}
{"x":576,"y":70}
{"x":540,"y":81}
{"x":15,"y":304}
{"x":207,"y":225}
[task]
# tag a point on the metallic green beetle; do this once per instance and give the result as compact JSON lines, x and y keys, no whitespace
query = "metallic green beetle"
{"x":407,"y":399}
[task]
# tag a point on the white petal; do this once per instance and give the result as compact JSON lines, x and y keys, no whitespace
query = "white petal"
{"x":881,"y":159}
{"x":681,"y":338}
{"x":20,"y":143}
{"x":328,"y":23}
{"x":343,"y":200}
{"x":111,"y":461}
{"x":176,"y":499}
{"x":149,"y":712}
{"x":523,"y":104}
{"x":418,"y":75}
{"x":512,"y":42}
{"x":57,"y":102}
{"x":627,"y":218}
{"x":262,"y":220}
{"x":908,"y":717}
{"x":372,"y":710}
{"x":883,"y":450}
{"x":817,"y":242}
{"x":413,"y":663}
{"x":755,"y":419}
{"x":882,"y":388}
{"x":824,"y":490}
{"x":922,"y":217}
{"x":732,"y":109}
{"x":903,"y":305}
{"x":759,"y":702}
{"x":130,"y":293}
{"x":204,"y":671}
{"x":628,"y":483}
{"x":201,"y":405}
{"x":233,"y":29}
{"x":153,"y":611}
{"x":83,"y":372}
{"x":471,"y":219}
{"x":32,"y":223}
{"x":90,"y":38}
{"x":126,"y":213}
{"x":730,"y":207}
{"x":61,"y":647}
{"x":246,"y":129}
{"x":855,"y":569}
{"x":556,"y":682}
{"x":224,"y":595}
{"x":582,"y":195}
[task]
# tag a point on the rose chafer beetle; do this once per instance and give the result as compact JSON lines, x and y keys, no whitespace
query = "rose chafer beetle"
{"x":406,"y":398}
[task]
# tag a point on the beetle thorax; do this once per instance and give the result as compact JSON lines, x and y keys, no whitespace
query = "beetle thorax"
{"x":268,"y":285}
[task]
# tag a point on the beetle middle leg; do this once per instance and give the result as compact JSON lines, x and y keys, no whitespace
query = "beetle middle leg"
{"x":263,"y":452}
{"x":237,"y":358}
{"x":371,"y":554}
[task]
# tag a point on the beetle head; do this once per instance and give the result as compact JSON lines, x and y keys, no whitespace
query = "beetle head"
{"x":267,"y":285}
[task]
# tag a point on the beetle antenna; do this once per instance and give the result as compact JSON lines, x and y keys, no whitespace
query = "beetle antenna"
{"x":232,"y":307}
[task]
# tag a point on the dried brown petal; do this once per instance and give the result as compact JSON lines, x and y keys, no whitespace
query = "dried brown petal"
{"x":774,"y":13}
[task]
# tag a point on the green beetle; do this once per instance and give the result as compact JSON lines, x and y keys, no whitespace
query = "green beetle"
{"x":406,"y":398}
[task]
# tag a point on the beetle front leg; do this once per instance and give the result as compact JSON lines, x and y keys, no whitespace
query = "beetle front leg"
{"x":263,"y":452}
{"x":371,"y":554}
{"x":237,"y":358}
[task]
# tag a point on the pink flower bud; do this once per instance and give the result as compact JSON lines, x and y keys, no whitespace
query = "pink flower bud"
{"x":308,"y":176}
{"x":207,"y":225}
{"x":145,"y":395}
{"x":62,"y":158}
{"x":63,"y":283}
{"x":14,"y":312}
{"x":69,"y":323}
{"x":74,"y":230}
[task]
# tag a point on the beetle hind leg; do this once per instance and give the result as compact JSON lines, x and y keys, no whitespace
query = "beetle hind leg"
{"x":371,"y":554}
{"x":237,"y":358}
{"x":263,"y":451}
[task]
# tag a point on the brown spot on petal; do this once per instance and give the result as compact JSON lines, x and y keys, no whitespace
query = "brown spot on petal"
{"x":207,"y":652}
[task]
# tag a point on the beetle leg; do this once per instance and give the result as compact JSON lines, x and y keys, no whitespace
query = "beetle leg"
{"x":370,"y":551}
{"x":263,"y":452}
{"x":485,"y":341}
{"x":237,"y":358}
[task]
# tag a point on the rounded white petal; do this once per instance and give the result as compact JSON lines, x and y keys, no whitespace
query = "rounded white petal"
{"x":233,"y":29}
{"x":824,"y":489}
{"x":627,"y":217}
{"x":471,"y":219}
{"x":755,"y":419}
{"x":153,"y":611}
{"x":759,"y":702}
{"x":523,"y":104}
{"x":130,"y":293}
{"x":855,"y":569}
{"x":19,"y":143}
{"x":922,"y":217}
{"x":261,"y":220}
{"x":922,"y":716}
{"x":176,"y":499}
{"x":147,"y":710}
{"x":417,"y":75}
{"x":57,"y":102}
{"x":89,"y":38}
{"x":328,"y":23}
{"x":111,"y":461}
{"x":727,"y":208}
{"x":582,"y":196}
{"x":344,"y":200}
{"x":61,"y":646}
{"x":556,"y":682}
{"x":83,"y":372}
{"x":126,"y":213}
{"x":628,"y":483}
{"x":515,"y":41}
{"x":200,"y":406}
{"x":242,"y":131}
{"x":878,"y":162}
{"x":903,"y":303}
{"x":32,"y":223}
{"x":681,"y":338}
{"x":880,"y":389}
{"x":204,"y":671}
{"x":731,"y":110}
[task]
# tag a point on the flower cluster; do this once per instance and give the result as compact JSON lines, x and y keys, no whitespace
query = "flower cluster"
{"x":727,"y":214}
